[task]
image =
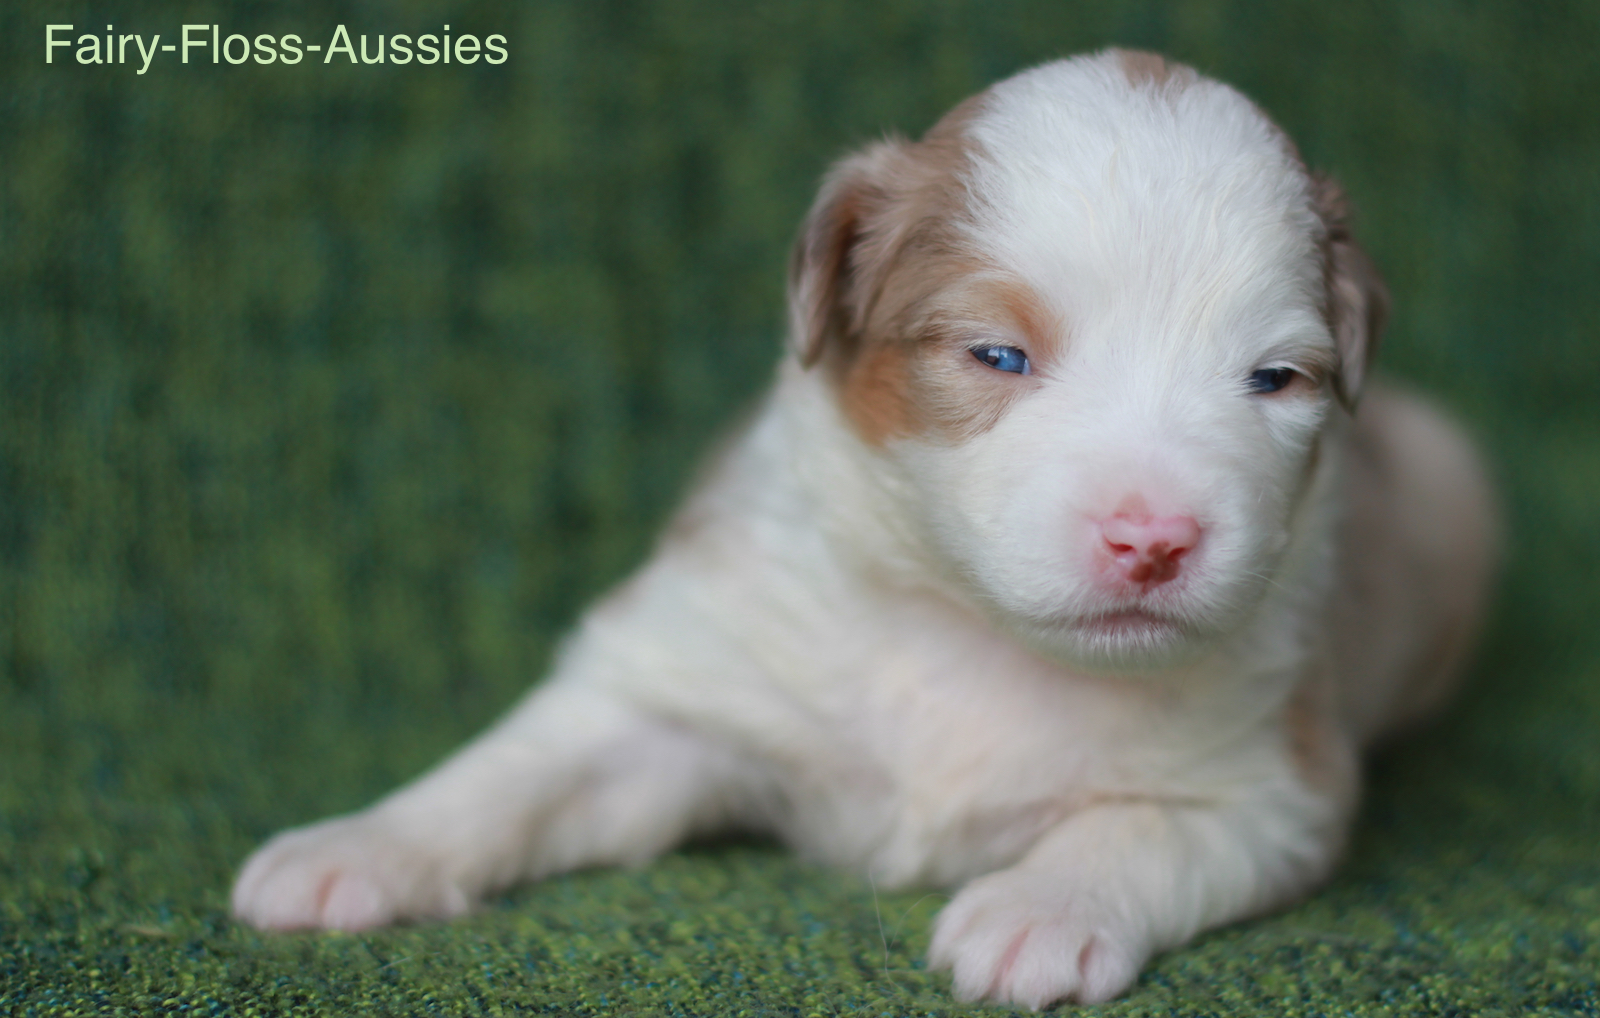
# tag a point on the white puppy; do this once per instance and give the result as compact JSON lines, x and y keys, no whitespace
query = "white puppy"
{"x":1056,"y":568}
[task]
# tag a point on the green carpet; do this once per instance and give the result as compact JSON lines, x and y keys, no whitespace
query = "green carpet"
{"x":329,"y":395}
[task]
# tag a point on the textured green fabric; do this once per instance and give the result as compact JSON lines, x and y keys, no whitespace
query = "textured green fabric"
{"x":329,"y":395}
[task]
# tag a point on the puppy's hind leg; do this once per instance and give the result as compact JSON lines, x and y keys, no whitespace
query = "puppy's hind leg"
{"x":573,"y":777}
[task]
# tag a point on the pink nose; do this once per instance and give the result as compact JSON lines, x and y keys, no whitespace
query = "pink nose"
{"x":1146,"y":549}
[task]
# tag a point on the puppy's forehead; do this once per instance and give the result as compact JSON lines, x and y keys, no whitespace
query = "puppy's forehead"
{"x":1095,"y":177}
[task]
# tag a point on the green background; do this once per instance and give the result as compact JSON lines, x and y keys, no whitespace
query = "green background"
{"x":330,"y":395}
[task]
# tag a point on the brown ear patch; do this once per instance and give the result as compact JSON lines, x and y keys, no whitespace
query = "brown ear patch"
{"x":840,"y":251}
{"x":869,"y":205}
{"x":889,"y":297}
{"x":1357,"y":302}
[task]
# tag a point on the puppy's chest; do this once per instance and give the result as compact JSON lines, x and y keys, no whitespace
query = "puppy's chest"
{"x":936,"y":754}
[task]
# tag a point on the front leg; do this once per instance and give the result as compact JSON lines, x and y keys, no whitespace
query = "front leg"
{"x":1112,"y":885}
{"x":573,"y":777}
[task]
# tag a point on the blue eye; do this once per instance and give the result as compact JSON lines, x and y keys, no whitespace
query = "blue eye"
{"x":1270,"y":379}
{"x":1004,"y":358}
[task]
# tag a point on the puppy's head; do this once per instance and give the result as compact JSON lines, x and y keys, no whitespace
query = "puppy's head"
{"x":1096,"y":319}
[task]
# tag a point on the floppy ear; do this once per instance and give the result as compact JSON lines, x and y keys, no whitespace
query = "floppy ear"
{"x":839,"y":259}
{"x":1358,"y":302}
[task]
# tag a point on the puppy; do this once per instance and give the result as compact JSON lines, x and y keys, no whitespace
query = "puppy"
{"x":1059,"y":567}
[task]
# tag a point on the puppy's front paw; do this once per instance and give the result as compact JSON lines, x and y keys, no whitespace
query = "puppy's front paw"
{"x":347,"y":873}
{"x":1021,"y":938}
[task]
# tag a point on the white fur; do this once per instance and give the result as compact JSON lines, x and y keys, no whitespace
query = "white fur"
{"x":879,"y":650}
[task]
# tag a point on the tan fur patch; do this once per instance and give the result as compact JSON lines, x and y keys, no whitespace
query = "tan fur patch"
{"x":916,"y":374}
{"x":899,"y":298}
{"x":876,"y":394}
{"x":1143,"y":67}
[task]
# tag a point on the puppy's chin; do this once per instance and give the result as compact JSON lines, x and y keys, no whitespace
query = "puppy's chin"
{"x":1124,"y":640}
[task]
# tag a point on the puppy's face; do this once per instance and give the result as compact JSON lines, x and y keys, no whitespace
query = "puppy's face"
{"x":1096,"y":320}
